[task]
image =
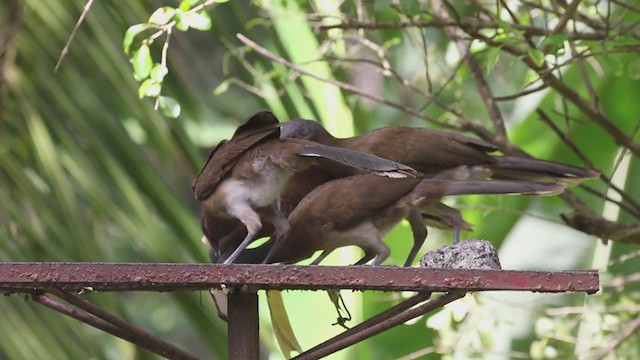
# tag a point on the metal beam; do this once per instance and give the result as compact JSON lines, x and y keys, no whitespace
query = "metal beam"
{"x":243,"y":335}
{"x":30,"y":277}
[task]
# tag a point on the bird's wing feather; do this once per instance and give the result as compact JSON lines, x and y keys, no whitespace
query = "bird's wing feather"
{"x":223,"y":158}
{"x":426,"y":150}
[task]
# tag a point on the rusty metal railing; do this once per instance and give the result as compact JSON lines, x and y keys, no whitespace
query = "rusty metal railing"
{"x":61,"y":279}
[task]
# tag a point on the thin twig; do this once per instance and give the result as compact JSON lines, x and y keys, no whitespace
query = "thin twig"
{"x":354,"y":89}
{"x":568,"y":15}
{"x":623,"y":4}
{"x":520,"y":94}
{"x":618,"y":339}
{"x":592,"y":23}
{"x":581,"y":310}
{"x":163,"y":61}
{"x":636,"y":207}
{"x":66,"y":47}
{"x":483,"y":87}
{"x":619,"y":136}
{"x":390,"y":73}
{"x":625,"y":257}
{"x":472,"y":25}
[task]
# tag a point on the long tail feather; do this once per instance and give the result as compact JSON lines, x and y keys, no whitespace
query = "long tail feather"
{"x":435,"y":188}
{"x":508,"y":167}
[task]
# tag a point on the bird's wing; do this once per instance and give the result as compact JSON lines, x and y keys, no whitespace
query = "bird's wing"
{"x":349,"y":201}
{"x":223,"y":158}
{"x":426,"y":150}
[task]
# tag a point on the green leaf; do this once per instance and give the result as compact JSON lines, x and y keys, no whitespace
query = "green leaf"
{"x":554,"y":43}
{"x":222,"y":87}
{"x":142,"y":62}
{"x":633,"y":69}
{"x":410,"y":7}
{"x":131,"y":33}
{"x":626,"y":40}
{"x":616,"y":66}
{"x":537,"y":56}
{"x":200,"y":20}
{"x":162,"y":15}
{"x":158,"y":72}
{"x":379,"y":5}
{"x":392,"y":42}
{"x":182,"y":23}
{"x":185,"y":5}
{"x":149,"y":88}
{"x":493,"y":54}
{"x":169,"y":106}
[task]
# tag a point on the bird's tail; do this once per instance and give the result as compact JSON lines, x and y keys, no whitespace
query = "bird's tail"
{"x":359,"y":160}
{"x":519,"y":168}
{"x":431,"y":189}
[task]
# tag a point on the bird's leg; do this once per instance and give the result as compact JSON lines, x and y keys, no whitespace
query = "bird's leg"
{"x":368,"y":255}
{"x":455,"y":218}
{"x":380,"y":250}
{"x":274,"y":214}
{"x":251,"y":220}
{"x":449,"y":217}
{"x":226,"y":243}
{"x":382,"y":256}
{"x":419,"y":231}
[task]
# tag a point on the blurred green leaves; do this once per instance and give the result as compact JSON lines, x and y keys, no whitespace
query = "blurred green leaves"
{"x":151,"y":74}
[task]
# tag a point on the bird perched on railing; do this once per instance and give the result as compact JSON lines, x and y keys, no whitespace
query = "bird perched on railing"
{"x":243,"y":177}
{"x":438,"y":154}
{"x":360,"y":210}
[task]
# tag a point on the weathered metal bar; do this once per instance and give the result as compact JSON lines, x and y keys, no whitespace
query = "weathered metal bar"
{"x":331,"y":347}
{"x":372,"y":321}
{"x":243,"y":326}
{"x":29,"y":277}
{"x":99,"y":324}
{"x":141,"y":336}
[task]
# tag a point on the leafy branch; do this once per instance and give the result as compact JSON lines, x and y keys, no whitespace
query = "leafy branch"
{"x":150,"y":73}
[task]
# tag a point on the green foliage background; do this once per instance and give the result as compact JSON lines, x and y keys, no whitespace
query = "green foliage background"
{"x":89,"y":172}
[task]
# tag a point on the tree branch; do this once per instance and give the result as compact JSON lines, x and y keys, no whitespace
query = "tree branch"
{"x":550,"y":80}
{"x":467,"y":25}
{"x":615,"y":341}
{"x":65,"y":50}
{"x":483,"y":87}
{"x":568,"y":15}
{"x":464,"y":126}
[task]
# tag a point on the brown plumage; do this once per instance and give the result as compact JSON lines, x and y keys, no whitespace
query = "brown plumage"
{"x":437,"y":154}
{"x":345,"y":212}
{"x":243,"y":177}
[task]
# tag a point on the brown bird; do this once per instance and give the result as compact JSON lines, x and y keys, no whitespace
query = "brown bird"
{"x":438,"y":154}
{"x":360,"y":210}
{"x":243,"y":177}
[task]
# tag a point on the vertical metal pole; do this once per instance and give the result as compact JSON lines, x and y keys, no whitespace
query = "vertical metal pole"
{"x":243,"y":326}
